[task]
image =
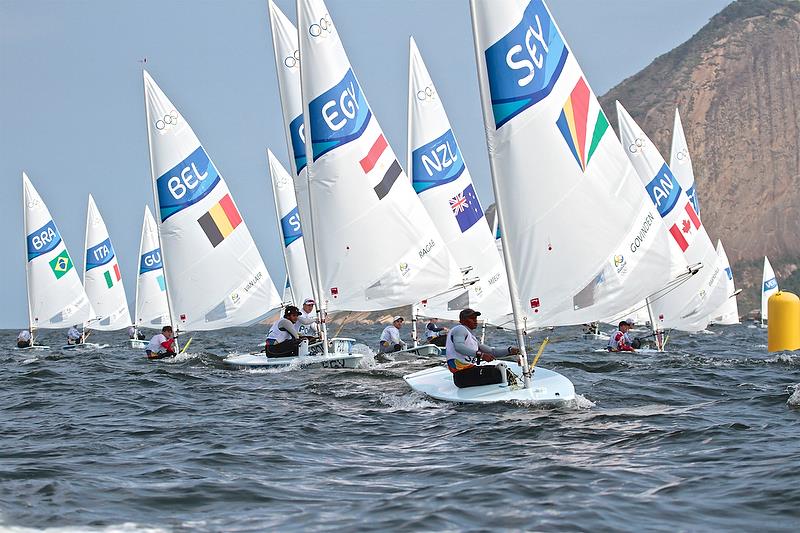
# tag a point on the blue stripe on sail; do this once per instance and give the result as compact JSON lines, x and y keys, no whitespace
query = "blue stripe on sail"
{"x":43,"y":240}
{"x":99,"y":255}
{"x":186,"y":183}
{"x":437,"y":162}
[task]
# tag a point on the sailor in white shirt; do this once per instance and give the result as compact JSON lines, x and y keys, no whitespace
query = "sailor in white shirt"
{"x":74,"y":336}
{"x":390,"y":338}
{"x":24,"y":339}
{"x":283,"y":339}
{"x":162,"y":345}
{"x":464,"y":354}
{"x":308,"y":320}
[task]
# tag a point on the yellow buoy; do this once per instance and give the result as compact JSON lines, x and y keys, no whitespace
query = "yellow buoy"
{"x":783,"y":327}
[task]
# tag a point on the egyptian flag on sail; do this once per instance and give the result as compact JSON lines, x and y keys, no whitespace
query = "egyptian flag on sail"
{"x":685,"y":230}
{"x":220,"y":220}
{"x":380,"y":164}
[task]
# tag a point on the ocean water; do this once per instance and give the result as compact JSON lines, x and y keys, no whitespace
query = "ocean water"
{"x":705,"y":437}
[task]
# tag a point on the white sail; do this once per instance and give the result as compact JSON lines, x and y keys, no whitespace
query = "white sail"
{"x":294,"y":254}
{"x":101,"y":276}
{"x":688,"y":306}
{"x":680,"y":161}
{"x":151,"y":289}
{"x":584,"y":238}
{"x":215,"y":276}
{"x":728,"y":312}
{"x":287,"y":66}
{"x":443,"y":183}
{"x":769,"y":286}
{"x":56,"y":298}
{"x":376,"y":245}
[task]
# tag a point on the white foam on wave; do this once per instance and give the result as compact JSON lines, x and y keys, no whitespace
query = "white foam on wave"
{"x":125,"y":527}
{"x":413,"y":401}
{"x":368,"y":355}
{"x":582,"y":402}
{"x":794,"y":399}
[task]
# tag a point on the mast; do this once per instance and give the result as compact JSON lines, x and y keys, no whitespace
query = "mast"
{"x":512,"y":280}
{"x":27,"y":266}
{"x":317,"y":281}
{"x":138,"y":268}
{"x":158,"y":219}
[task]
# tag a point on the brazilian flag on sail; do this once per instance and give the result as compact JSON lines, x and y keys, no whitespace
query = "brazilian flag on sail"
{"x":61,"y":264}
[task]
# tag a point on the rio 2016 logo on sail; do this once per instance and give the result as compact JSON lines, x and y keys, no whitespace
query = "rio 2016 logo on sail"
{"x":338,"y":116}
{"x":99,"y":254}
{"x":186,"y":183}
{"x":150,"y":261}
{"x":43,"y":240}
{"x":437,"y":162}
{"x":524,"y":65}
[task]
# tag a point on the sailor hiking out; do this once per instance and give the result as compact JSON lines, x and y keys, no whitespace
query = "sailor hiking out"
{"x":24,"y":339}
{"x":621,"y":340}
{"x":74,"y":336}
{"x":390,"y":338}
{"x":464,"y":354}
{"x":283,"y":340}
{"x":162,"y":345}
{"x":308,"y":320}
{"x":435,"y":334}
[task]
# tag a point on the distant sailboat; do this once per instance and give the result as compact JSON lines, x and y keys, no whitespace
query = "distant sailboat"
{"x":443,"y":183}
{"x":152,"y":311}
{"x":728,"y":313}
{"x":101,"y":276}
{"x":769,"y":286}
{"x":202,"y":232}
{"x":56,"y":297}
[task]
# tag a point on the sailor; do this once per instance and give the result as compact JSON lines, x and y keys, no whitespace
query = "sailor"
{"x":390,"y":338}
{"x":464,"y":354}
{"x":283,"y":339}
{"x":24,"y":339}
{"x":134,"y":334}
{"x":592,"y":328}
{"x":162,"y":345}
{"x":308,"y":319}
{"x":435,"y":333}
{"x":74,"y":336}
{"x":620,"y":340}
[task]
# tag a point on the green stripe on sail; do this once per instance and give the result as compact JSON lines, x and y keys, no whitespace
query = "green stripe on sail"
{"x":600,"y":128}
{"x":109,"y":281}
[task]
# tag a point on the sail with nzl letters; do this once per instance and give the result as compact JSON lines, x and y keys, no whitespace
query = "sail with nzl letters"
{"x":202,"y":231}
{"x":101,"y":276}
{"x":687,"y":306}
{"x":443,"y":183}
{"x":376,"y":246}
{"x":580,"y":237}
{"x":56,"y":298}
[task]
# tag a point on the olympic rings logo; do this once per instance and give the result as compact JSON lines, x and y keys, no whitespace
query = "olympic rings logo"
{"x":636,"y":145}
{"x":33,"y":203}
{"x":291,"y":61}
{"x":325,"y":25}
{"x":169,"y":119}
{"x":425,"y":94}
{"x":282,"y":182}
{"x":683,"y":154}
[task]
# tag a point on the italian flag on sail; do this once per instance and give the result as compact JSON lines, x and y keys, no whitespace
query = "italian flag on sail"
{"x":112,"y":276}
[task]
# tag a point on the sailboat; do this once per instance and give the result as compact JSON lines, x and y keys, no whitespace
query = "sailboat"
{"x":56,"y":297}
{"x":202,"y":232}
{"x":728,"y":313}
{"x":444,"y":185}
{"x":686,"y":306}
{"x":151,"y":307}
{"x":769,"y":286}
{"x":575,"y":228}
{"x":101,"y":276}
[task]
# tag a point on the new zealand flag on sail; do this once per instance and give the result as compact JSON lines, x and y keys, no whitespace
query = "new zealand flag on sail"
{"x":466,"y":208}
{"x":524,"y":65}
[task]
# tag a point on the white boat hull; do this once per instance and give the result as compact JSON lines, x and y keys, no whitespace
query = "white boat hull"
{"x":138,"y":344}
{"x":84,"y":346}
{"x":546,"y":387}
{"x":313,"y":361}
{"x":35,"y":347}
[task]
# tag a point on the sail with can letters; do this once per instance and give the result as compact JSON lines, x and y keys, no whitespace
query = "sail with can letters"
{"x":101,"y":276}
{"x":769,"y":286}
{"x":680,"y":161}
{"x":151,"y":307}
{"x":687,"y":306}
{"x":214,"y":274}
{"x":376,"y":246}
{"x":728,"y":313}
{"x":580,"y":237}
{"x":291,"y":232}
{"x":56,"y":297}
{"x":444,"y":185}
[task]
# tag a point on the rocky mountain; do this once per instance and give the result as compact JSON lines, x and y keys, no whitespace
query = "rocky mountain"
{"x":737,"y":86}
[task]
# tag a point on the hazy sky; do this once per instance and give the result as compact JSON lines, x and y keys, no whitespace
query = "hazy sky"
{"x":72,"y":105}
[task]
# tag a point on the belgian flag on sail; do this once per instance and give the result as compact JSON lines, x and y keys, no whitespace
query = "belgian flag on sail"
{"x":220,"y":220}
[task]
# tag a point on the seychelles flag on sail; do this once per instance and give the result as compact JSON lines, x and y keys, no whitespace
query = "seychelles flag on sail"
{"x":582,"y":123}
{"x":685,"y":233}
{"x":466,"y":208}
